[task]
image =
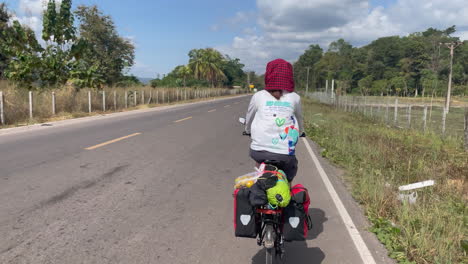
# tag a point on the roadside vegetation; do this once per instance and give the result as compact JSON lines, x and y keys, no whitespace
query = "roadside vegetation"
{"x":414,"y":65}
{"x":378,"y":159}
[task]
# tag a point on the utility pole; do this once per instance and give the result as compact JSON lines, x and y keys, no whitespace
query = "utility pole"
{"x":452,"y":46}
{"x":307,"y":86}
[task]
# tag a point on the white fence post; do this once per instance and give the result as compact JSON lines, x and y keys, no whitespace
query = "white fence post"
{"x":425,"y":118}
{"x":53,"y":103}
{"x":466,"y":129}
{"x":444,"y":118}
{"x":185,"y":96}
{"x":115,"y":100}
{"x":409,"y":115}
{"x":89,"y":101}
{"x":386,"y":112}
{"x":2,"y":114}
{"x":395,"y":118}
{"x":157,"y":96}
{"x":135,"y":98}
{"x":126,"y":99}
{"x":30,"y":104}
{"x":103,"y":101}
{"x":150,"y":97}
{"x":142,"y":96}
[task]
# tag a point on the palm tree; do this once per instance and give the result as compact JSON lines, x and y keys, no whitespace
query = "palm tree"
{"x":206,"y":64}
{"x":184,"y":72}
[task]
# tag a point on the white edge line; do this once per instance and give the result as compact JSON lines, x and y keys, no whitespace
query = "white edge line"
{"x":361,"y":246}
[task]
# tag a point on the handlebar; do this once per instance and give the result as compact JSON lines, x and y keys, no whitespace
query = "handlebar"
{"x":248,"y":134}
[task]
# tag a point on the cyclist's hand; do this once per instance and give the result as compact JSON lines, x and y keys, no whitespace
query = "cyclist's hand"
{"x":303,"y":134}
{"x":245,"y":134}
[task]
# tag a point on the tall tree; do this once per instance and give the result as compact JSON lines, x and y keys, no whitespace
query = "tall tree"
{"x":233,"y":70}
{"x":4,"y":18}
{"x":59,"y":33}
{"x":184,"y":72}
{"x":105,"y":49}
{"x":309,"y":59}
{"x":19,"y":50}
{"x":206,"y":64}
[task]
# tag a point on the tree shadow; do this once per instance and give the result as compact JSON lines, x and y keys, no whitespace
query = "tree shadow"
{"x":297,"y":252}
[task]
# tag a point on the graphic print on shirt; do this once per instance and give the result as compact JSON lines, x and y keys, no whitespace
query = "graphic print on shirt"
{"x":292,"y":134}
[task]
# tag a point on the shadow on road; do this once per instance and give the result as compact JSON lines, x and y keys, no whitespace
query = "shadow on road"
{"x":297,"y":252}
{"x":318,"y":218}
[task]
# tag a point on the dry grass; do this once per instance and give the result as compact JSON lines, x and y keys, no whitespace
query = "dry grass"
{"x":71,"y":103}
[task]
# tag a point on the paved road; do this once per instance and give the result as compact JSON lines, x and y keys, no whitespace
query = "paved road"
{"x":160,"y":195}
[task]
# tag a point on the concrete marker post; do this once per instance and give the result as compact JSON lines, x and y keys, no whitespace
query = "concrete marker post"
{"x":2,"y":113}
{"x":30,"y":105}
{"x":103,"y":101}
{"x":89,"y":101}
{"x":53,"y":103}
{"x":466,"y":129}
{"x":395,"y":118}
{"x":425,"y":119}
{"x":444,"y":119}
{"x":409,"y":115}
{"x":126,"y":99}
{"x":115,"y":100}
{"x":135,"y":98}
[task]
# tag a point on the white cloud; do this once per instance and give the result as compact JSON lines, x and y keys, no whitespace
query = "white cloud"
{"x":289,"y":26}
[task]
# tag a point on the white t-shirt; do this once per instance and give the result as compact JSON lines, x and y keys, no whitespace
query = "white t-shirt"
{"x":275,"y":125}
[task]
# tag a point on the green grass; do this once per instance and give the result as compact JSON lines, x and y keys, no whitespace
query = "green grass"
{"x":378,"y":159}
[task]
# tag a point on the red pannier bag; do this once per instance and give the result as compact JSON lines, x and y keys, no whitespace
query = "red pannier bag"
{"x":245,"y":224}
{"x":297,"y":221}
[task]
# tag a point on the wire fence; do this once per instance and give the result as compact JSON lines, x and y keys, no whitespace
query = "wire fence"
{"x":19,"y":106}
{"x":422,"y":115}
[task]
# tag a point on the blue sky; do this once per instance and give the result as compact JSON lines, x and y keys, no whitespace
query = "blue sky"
{"x":255,"y":31}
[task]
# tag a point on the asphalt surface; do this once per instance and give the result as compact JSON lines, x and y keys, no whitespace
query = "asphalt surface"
{"x":161,"y":196}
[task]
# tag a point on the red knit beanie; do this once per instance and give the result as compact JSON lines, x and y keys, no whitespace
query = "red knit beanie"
{"x":279,"y":76}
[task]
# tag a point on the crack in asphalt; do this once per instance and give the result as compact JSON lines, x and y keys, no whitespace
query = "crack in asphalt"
{"x":82,"y":186}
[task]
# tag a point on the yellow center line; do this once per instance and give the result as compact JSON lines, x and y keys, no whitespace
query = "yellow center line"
{"x":227,"y":105}
{"x":212,"y":110}
{"x":112,"y":141}
{"x":183,"y":119}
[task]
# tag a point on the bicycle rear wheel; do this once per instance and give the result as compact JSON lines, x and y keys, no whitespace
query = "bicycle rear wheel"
{"x":270,"y":252}
{"x":270,"y":244}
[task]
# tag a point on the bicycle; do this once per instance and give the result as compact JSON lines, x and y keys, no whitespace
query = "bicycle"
{"x":270,"y":222}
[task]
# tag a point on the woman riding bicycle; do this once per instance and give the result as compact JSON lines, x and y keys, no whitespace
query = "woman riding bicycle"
{"x":274,"y":118}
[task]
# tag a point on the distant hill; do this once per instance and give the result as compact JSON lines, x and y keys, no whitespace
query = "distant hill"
{"x":145,"y":80}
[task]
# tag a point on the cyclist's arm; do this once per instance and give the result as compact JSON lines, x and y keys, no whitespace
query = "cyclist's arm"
{"x":300,"y":119}
{"x":250,"y":114}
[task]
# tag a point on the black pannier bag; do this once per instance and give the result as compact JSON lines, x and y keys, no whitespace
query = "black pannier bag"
{"x":297,"y":221}
{"x":245,"y":224}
